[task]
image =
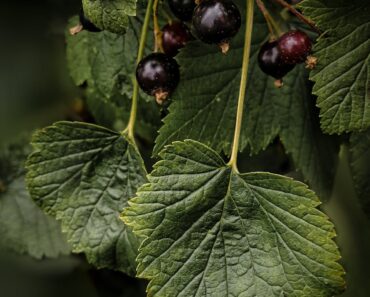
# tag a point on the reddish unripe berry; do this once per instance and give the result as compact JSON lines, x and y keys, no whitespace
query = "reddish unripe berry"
{"x":174,"y":37}
{"x":294,"y":46}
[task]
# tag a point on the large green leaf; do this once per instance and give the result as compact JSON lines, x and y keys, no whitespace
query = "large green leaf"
{"x":342,"y":73}
{"x":359,"y":148}
{"x":204,"y":108}
{"x":213,"y":232}
{"x":24,"y":228}
{"x":84,"y":174}
{"x":111,"y":15}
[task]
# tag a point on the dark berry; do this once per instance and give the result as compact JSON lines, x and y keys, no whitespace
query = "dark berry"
{"x":87,"y":24}
{"x":182,"y":9}
{"x":270,"y":62}
{"x":174,"y":36}
{"x":294,"y":46}
{"x":158,"y":75}
{"x":216,"y":21}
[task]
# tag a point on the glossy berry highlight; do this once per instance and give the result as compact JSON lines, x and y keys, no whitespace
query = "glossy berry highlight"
{"x":216,"y":21}
{"x":294,"y":46}
{"x":87,"y":24}
{"x":175,"y":35}
{"x":270,"y":61}
{"x":182,"y":9}
{"x":158,"y":75}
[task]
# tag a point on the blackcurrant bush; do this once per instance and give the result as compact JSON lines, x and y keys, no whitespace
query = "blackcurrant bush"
{"x":270,"y":62}
{"x":87,"y":24}
{"x":158,"y":75}
{"x":182,"y":9}
{"x":174,"y":36}
{"x":294,"y":46}
{"x":216,"y":21}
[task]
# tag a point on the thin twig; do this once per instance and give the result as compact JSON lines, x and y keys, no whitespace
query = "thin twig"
{"x":298,"y":15}
{"x":157,"y":30}
{"x":271,"y":24}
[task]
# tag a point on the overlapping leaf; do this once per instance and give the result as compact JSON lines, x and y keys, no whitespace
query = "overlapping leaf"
{"x":84,"y":174}
{"x":110,"y":15}
{"x":204,"y":108}
{"x":360,"y":165}
{"x":106,"y":63}
{"x":342,"y":73}
{"x":213,"y":232}
{"x":24,"y":228}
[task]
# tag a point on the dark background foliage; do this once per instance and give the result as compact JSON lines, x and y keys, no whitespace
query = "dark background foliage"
{"x":35,"y":90}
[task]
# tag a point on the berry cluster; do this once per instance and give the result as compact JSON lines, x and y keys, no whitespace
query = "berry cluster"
{"x":212,"y":21}
{"x":276,"y":58}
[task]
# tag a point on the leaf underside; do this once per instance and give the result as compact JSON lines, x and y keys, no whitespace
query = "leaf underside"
{"x":342,"y":74}
{"x":212,"y":232}
{"x":83,"y":175}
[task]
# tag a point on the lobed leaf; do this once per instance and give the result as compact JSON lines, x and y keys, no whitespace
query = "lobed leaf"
{"x":83,"y":175}
{"x":210,"y":231}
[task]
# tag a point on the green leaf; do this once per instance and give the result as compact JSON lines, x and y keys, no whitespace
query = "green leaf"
{"x":106,"y":63}
{"x":313,"y":153}
{"x":205,"y":101}
{"x":83,"y":175}
{"x":111,"y":15}
{"x":24,"y":228}
{"x":359,"y":148}
{"x":342,"y":73}
{"x":213,"y":232}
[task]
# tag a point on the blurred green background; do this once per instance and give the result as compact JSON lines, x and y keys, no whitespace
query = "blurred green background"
{"x":35,"y":90}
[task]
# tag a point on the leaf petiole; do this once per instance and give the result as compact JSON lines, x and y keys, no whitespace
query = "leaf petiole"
{"x":157,"y":30}
{"x":243,"y":84}
{"x":144,"y":30}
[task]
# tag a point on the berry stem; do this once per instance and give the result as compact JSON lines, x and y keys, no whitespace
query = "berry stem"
{"x":243,"y":84}
{"x":298,"y":15}
{"x":144,"y":30}
{"x":271,"y":24}
{"x":157,"y":29}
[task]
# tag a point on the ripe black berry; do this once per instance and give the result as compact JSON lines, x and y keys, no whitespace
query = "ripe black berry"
{"x":158,"y":75}
{"x":182,"y":9}
{"x":216,"y":21}
{"x":174,"y":36}
{"x":87,"y":24}
{"x":294,"y":46}
{"x":270,"y":61}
